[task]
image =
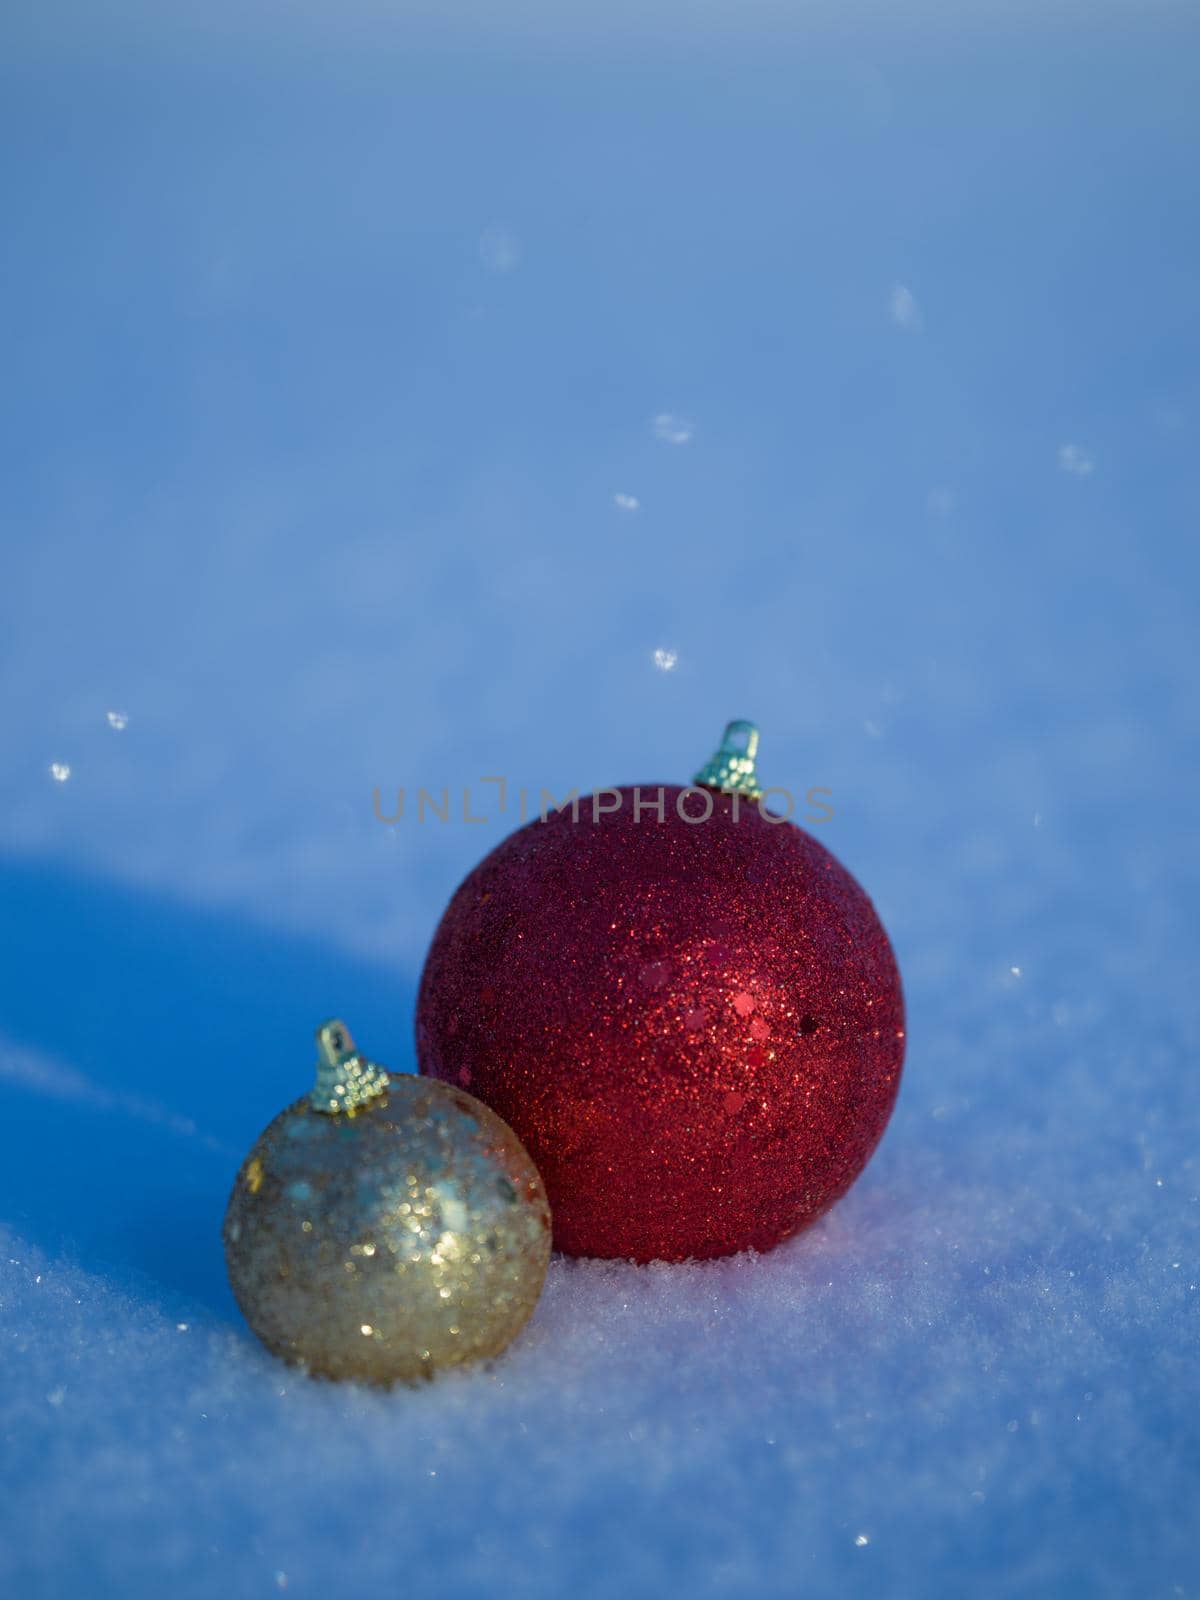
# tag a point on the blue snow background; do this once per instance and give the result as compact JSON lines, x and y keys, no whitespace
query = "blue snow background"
{"x":329,"y":335}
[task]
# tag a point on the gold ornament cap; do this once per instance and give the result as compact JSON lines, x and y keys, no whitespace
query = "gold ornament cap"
{"x":346,"y":1080}
{"x":731,"y":769}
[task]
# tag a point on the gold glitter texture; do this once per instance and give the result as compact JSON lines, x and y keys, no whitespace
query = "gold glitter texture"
{"x":387,"y":1241}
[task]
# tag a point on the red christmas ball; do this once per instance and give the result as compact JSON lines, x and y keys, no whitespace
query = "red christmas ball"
{"x":695,"y":1027}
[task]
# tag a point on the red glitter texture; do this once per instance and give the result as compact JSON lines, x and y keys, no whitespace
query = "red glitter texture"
{"x":696,"y":1029}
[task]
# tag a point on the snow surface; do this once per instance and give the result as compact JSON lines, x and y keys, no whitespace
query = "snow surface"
{"x":328,"y":338}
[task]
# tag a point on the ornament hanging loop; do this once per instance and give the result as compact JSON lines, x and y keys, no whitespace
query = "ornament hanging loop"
{"x":731,"y":769}
{"x":346,"y":1080}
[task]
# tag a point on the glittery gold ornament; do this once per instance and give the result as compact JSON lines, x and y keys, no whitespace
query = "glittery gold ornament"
{"x":385,"y":1227}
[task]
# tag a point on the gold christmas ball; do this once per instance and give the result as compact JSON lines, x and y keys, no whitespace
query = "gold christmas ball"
{"x":385,"y":1227}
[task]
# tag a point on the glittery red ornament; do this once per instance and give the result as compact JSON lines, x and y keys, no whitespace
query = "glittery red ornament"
{"x":696,"y":1028}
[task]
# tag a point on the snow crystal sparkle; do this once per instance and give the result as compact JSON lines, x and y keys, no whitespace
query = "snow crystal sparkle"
{"x":672,"y":429}
{"x":1076,"y":461}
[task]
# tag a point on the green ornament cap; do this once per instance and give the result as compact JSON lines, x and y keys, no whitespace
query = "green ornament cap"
{"x":731,"y":769}
{"x":346,"y":1080}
